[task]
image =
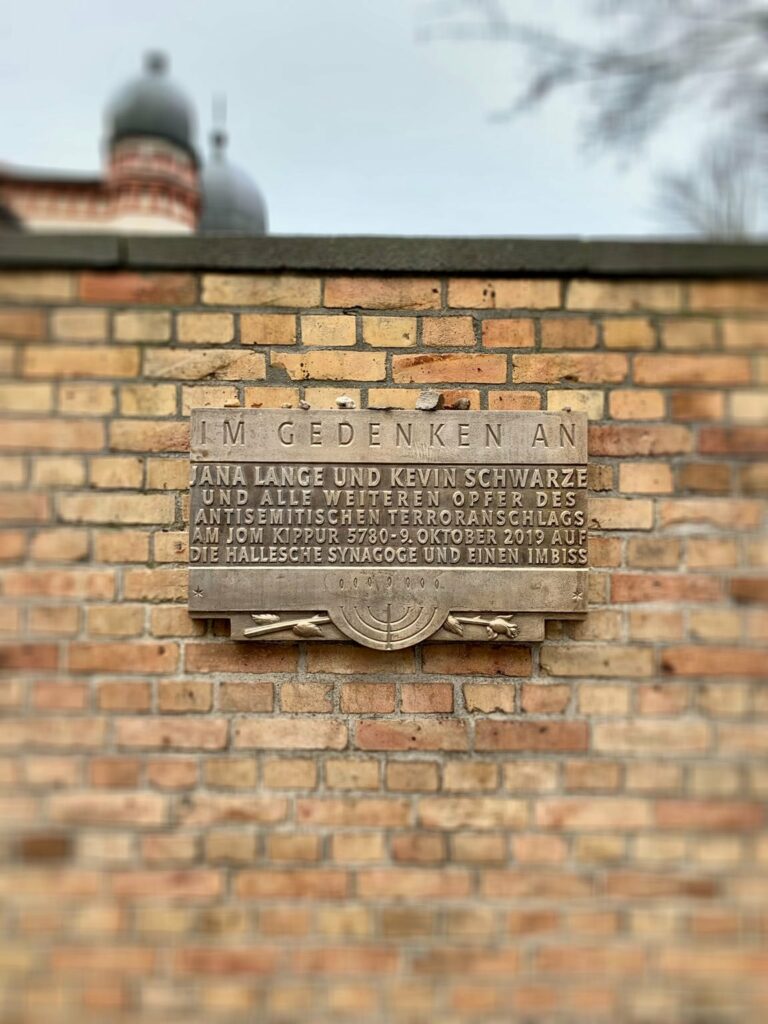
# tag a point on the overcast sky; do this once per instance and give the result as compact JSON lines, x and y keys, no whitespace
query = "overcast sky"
{"x":348,"y":123}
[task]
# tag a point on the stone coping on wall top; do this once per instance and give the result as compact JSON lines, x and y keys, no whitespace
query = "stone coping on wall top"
{"x":391,"y":254}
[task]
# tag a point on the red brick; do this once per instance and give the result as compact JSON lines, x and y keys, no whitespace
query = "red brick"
{"x":614,"y":959}
{"x":208,"y":809}
{"x":22,"y":324}
{"x":691,"y":370}
{"x":105,"y":808}
{"x":127,"y":287}
{"x":639,"y":440}
{"x":477,"y":659}
{"x":710,"y":815}
{"x":187,"y":733}
{"x":708,"y":660}
{"x":28,"y":656}
{"x":130,"y":658}
{"x":570,"y":368}
{"x":416,"y":734}
{"x":222,"y":962}
{"x":733,"y":440}
{"x":593,"y":812}
{"x":426,"y":698}
{"x":449,"y":368}
{"x":243,"y":658}
{"x":413,"y":883}
{"x":320,"y":883}
{"x":354,"y":811}
{"x":631,"y":587}
{"x":194,"y":884}
{"x":544,"y":700}
{"x":538,"y":736}
{"x":525,"y":883}
{"x":251,"y":696}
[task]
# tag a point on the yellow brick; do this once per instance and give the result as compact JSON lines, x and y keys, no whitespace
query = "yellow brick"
{"x":712,"y":552}
{"x":331,"y":365}
{"x":590,"y":402}
{"x":745,"y":334}
{"x":21,"y":397}
{"x":142,"y":325}
{"x":205,"y":328}
{"x":715,"y":624}
{"x":115,"y":619}
{"x":12,"y":471}
{"x":391,"y":292}
{"x":749,"y":406}
{"x":503,"y":293}
{"x":204,"y":363}
{"x":645,"y":478}
{"x":514,"y":400}
{"x":325,"y":398}
{"x":208,"y":397}
{"x":328,"y":331}
{"x":171,"y":620}
{"x":267,"y":329}
{"x":508,"y":333}
{"x":172,"y":546}
{"x":87,"y":399}
{"x":43,"y":286}
{"x":656,"y":626}
{"x":167,"y":474}
{"x":622,"y":295}
{"x":148,"y":399}
{"x":116,"y":472}
{"x":628,"y":333}
{"x":389,"y":331}
{"x":636,"y":405}
{"x":603,"y":699}
{"x":568,"y":332}
{"x":723,"y":294}
{"x":448,"y":332}
{"x":620,"y":514}
{"x":696,"y":335}
{"x":271,"y":398}
{"x":261,"y":290}
{"x":120,"y":546}
{"x":79,"y":361}
{"x":76,"y":324}
{"x":405,"y":398}
{"x":57,"y":471}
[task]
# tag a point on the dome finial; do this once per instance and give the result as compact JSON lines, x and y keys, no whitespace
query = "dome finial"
{"x":219,"y":137}
{"x":156,"y":62}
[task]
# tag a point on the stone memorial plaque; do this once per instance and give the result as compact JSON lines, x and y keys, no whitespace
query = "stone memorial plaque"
{"x":388,"y":528}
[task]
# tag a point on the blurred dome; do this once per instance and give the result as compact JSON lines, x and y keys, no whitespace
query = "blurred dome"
{"x":231,"y":202}
{"x":152,"y":105}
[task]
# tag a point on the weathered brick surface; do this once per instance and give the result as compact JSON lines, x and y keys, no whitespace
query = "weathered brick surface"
{"x":573,"y":830}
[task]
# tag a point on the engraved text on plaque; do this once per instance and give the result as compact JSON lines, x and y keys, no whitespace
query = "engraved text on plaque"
{"x":388,"y":528}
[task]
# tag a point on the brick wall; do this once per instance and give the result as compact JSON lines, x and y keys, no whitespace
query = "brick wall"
{"x":203,"y":830}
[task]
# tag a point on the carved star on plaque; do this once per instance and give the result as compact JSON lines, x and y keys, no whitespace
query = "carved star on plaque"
{"x":578,"y":596}
{"x":198,"y":592}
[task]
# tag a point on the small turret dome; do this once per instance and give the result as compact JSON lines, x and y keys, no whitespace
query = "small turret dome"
{"x":153,"y":106}
{"x":232,"y":204}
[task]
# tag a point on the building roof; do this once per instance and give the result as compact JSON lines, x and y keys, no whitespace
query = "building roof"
{"x":151,"y":105}
{"x":231,"y":202}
